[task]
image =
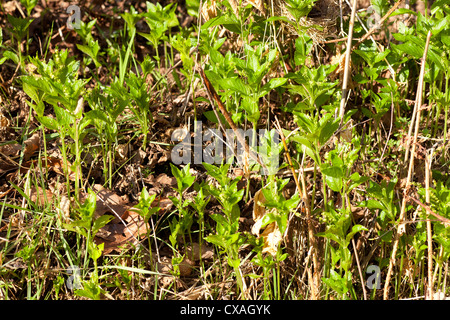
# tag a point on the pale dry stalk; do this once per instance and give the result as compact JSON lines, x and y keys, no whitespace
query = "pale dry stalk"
{"x":347,"y":63}
{"x":428,"y":159}
{"x":401,"y":225}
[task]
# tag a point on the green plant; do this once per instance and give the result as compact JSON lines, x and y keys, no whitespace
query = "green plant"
{"x":254,"y":68}
{"x":57,"y":84}
{"x":90,"y":47}
{"x":227,"y":234}
{"x":140,"y":97}
{"x":18,"y":32}
{"x":160,"y":20}
{"x":312,"y":84}
{"x":339,"y":223}
{"x":29,"y":5}
{"x":107,"y":104}
{"x":146,"y":210}
{"x":87,"y":227}
{"x":313,"y":135}
{"x":182,"y":225}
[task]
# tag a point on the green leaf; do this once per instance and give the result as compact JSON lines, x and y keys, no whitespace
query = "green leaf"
{"x":403,"y":11}
{"x":64,"y":117}
{"x":355,"y":229}
{"x":334,"y":171}
{"x":336,"y":282}
{"x":100,"y":222}
{"x":372,"y":204}
{"x":211,"y":116}
{"x":309,"y":148}
{"x":92,"y":51}
{"x":183,"y":176}
{"x":216,"y":239}
{"x":333,"y":176}
{"x":410,"y":48}
{"x":87,"y":209}
{"x":236,"y":85}
{"x":272,"y":84}
{"x":327,"y":130}
{"x":96,"y":115}
{"x":303,"y":45}
{"x":229,"y":22}
{"x":49,"y":123}
{"x":12,"y":56}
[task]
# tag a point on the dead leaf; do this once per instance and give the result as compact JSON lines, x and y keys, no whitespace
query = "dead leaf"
{"x":57,"y":166}
{"x":272,"y":238}
{"x":109,"y":201}
{"x":271,"y":234}
{"x":11,"y":150}
{"x":116,"y":235}
{"x":64,"y":208}
{"x":258,"y":211}
{"x":164,"y":179}
{"x":31,"y":145}
{"x":186,"y":267}
{"x":209,"y":10}
{"x":122,"y":153}
{"x":194,"y":252}
{"x":258,"y":4}
{"x":165,"y":265}
{"x":40,"y":196}
{"x":4,"y":122}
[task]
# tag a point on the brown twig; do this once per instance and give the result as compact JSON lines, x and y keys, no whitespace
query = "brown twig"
{"x":429,"y":211}
{"x":214,"y":96}
{"x":372,"y":30}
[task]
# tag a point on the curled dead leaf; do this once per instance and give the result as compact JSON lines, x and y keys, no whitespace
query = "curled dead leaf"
{"x":272,"y":238}
{"x":122,"y":151}
{"x":258,"y":211}
{"x":271,"y":234}
{"x":4,"y":122}
{"x":32,"y":144}
{"x":57,"y":166}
